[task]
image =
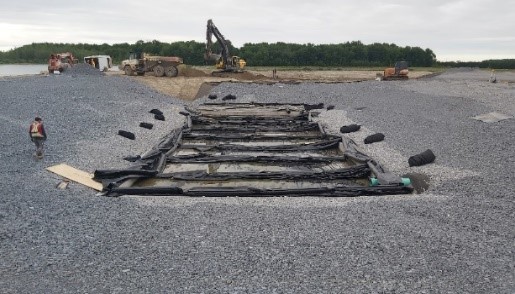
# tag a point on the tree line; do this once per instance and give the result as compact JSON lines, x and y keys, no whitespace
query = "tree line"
{"x":353,"y":53}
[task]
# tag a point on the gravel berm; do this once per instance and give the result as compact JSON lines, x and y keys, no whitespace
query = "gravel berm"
{"x":456,"y":237}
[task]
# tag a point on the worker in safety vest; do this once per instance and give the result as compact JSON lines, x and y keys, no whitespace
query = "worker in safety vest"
{"x":37,"y":135}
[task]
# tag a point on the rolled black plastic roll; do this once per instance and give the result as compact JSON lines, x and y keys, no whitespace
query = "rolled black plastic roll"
{"x":377,"y":137}
{"x":126,"y":134}
{"x":212,"y":96}
{"x":350,"y":128}
{"x":229,"y":97}
{"x":159,"y":117}
{"x":156,"y":111}
{"x":422,"y":158}
{"x":132,"y":158}
{"x":146,"y":125}
{"x":185,"y":113}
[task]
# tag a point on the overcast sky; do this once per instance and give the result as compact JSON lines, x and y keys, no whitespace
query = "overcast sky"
{"x":470,"y":30}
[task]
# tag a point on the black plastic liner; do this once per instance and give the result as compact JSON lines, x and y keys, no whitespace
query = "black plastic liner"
{"x":206,"y":158}
{"x":355,"y":172}
{"x":247,"y":120}
{"x":151,"y":164}
{"x":254,"y":137}
{"x":254,"y":192}
{"x":258,"y":128}
{"x":322,"y":145}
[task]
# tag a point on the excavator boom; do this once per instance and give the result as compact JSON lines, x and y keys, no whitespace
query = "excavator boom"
{"x":224,"y":60}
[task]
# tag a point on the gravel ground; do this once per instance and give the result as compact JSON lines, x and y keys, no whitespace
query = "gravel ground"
{"x":457,"y":237}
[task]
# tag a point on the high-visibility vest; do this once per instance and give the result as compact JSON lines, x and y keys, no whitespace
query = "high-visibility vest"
{"x":36,"y":130}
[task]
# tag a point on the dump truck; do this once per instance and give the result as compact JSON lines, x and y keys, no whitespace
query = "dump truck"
{"x":141,"y":63}
{"x":60,"y":62}
{"x":398,"y":72}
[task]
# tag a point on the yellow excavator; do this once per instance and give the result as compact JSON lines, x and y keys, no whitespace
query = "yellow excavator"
{"x":398,"y":72}
{"x":223,"y":61}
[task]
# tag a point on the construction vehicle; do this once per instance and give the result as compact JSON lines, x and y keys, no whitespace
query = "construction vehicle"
{"x":141,"y":63}
{"x":223,"y":61}
{"x":60,"y":61}
{"x":101,"y":62}
{"x":398,"y":72}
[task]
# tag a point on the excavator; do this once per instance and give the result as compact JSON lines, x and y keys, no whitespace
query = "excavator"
{"x":223,"y":61}
{"x":398,"y":72}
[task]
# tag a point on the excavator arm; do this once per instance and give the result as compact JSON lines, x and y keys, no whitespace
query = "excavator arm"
{"x":224,"y":59}
{"x":209,"y":55}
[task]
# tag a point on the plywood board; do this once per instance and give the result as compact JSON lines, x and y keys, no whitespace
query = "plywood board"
{"x":75,"y":175}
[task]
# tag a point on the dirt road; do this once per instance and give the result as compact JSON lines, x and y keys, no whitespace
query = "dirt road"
{"x":195,"y":82}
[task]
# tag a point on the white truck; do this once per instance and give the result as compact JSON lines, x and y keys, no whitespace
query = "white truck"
{"x":100,"y":62}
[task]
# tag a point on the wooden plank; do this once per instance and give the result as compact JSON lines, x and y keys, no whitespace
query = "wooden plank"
{"x":75,"y":175}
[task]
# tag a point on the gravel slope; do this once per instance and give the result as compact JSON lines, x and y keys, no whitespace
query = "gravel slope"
{"x":456,"y":237}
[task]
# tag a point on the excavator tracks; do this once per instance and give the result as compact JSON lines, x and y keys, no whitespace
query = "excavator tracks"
{"x":252,"y":150}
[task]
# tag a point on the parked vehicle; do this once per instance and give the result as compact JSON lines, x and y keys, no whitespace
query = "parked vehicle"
{"x":101,"y":62}
{"x":60,"y":62}
{"x":398,"y":72}
{"x":141,"y":63}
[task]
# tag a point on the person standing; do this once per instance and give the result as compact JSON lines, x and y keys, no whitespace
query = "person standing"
{"x":37,"y":135}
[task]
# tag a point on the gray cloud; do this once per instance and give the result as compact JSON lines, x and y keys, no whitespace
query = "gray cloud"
{"x":454,"y":30}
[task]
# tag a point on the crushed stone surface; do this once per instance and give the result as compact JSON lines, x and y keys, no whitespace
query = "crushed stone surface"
{"x":457,"y":237}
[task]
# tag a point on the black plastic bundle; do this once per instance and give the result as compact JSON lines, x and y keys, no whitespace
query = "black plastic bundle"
{"x":377,"y":137}
{"x":212,"y":96}
{"x":132,"y":158}
{"x":350,"y":128}
{"x":146,"y":125}
{"x":229,"y":97}
{"x":159,"y":117}
{"x":156,"y":111}
{"x":329,"y":107}
{"x":185,"y":113}
{"x":313,"y":106}
{"x":422,"y":158}
{"x":127,"y":135}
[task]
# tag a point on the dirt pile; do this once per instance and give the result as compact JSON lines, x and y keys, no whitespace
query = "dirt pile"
{"x":242,"y":76}
{"x":188,"y":71}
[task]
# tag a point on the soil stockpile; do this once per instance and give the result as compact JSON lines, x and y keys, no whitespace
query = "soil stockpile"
{"x":455,"y":237}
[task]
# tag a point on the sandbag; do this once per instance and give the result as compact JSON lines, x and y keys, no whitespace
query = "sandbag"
{"x":156,"y":111}
{"x":126,"y":134}
{"x":229,"y":97}
{"x":146,"y":125}
{"x":422,"y":158}
{"x":377,"y":137}
{"x":350,"y":128}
